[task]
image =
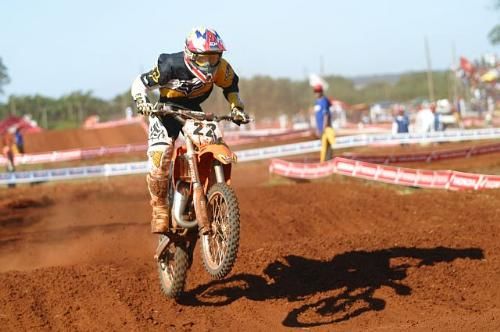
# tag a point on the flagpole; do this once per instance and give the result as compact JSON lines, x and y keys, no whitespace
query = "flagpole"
{"x":321,"y":66}
{"x":430,"y":85}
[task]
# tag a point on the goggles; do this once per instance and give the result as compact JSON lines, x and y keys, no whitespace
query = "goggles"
{"x":206,"y":60}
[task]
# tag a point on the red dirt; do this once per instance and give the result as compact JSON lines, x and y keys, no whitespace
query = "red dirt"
{"x":57,"y":140}
{"x":338,"y":254}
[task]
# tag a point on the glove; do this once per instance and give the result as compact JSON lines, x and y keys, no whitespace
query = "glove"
{"x":239,"y":116}
{"x":144,"y":107}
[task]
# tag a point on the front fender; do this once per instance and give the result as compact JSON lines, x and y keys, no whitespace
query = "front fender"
{"x":221,"y":152}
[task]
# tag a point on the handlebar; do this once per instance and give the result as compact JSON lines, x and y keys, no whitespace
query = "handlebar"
{"x":182,"y":114}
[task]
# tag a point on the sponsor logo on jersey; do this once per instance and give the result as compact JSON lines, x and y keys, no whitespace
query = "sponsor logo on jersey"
{"x":185,"y":86}
{"x":155,"y":75}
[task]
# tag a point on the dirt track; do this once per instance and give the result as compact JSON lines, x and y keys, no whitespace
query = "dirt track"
{"x":339,"y":254}
{"x":57,"y":140}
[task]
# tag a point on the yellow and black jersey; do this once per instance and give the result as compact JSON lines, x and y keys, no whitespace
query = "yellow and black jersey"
{"x":178,"y":85}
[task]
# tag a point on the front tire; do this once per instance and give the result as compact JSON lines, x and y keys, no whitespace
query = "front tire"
{"x":172,"y":269}
{"x":219,"y":248}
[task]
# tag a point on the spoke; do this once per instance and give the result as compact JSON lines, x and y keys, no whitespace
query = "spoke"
{"x":218,"y":240}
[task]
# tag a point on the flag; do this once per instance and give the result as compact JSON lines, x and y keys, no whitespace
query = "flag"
{"x":466,"y":66}
{"x":316,"y":80}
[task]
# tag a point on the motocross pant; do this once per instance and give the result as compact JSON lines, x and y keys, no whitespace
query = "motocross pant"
{"x":161,"y":139}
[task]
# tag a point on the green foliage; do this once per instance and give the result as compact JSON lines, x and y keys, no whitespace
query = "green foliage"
{"x":263,"y":96}
{"x":4,"y":77}
{"x":494,"y":34}
{"x":65,"y":112}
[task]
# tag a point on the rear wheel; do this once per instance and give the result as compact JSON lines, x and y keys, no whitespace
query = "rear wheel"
{"x":220,"y":247}
{"x":172,"y":269}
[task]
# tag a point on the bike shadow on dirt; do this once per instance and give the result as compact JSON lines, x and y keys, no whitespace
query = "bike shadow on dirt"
{"x":327,"y":291}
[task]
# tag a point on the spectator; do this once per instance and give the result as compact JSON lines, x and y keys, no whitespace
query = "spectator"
{"x":401,"y":123}
{"x":19,"y":140}
{"x":324,"y":128}
{"x":456,"y":111}
{"x":8,"y":153}
{"x":438,"y":125}
{"x":424,"y":122}
{"x":322,"y":110}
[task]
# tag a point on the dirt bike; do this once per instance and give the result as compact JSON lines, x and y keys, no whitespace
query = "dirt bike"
{"x":200,"y":198}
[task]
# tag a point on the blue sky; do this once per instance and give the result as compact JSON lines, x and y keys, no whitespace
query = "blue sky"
{"x":53,"y":47}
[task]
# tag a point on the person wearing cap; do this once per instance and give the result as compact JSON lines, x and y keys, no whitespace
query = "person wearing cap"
{"x":401,"y":123}
{"x":324,"y":128}
{"x":321,"y":110}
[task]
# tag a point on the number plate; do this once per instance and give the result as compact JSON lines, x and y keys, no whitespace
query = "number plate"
{"x":202,"y":132}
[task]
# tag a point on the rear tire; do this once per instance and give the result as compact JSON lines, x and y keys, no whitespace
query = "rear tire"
{"x":219,"y":249}
{"x":172,"y":269}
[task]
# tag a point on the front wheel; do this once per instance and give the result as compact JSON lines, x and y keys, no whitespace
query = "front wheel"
{"x":220,"y":247}
{"x":172,"y":269}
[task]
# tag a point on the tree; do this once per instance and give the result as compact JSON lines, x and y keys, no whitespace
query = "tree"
{"x":4,"y":78}
{"x":494,"y":34}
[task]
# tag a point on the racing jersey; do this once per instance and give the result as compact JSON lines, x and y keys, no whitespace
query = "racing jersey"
{"x":179,"y":86}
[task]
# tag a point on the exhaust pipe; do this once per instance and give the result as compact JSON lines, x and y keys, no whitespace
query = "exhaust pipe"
{"x":181,"y":198}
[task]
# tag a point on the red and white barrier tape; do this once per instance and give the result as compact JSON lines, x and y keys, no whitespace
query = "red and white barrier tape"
{"x":75,"y":154}
{"x":389,"y":174}
{"x":123,"y":122}
{"x":426,"y":156}
{"x":81,"y":154}
{"x":275,"y":151}
{"x":115,"y":123}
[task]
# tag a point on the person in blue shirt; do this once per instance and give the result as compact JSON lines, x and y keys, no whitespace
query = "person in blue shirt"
{"x":324,"y":128}
{"x":19,"y":140}
{"x":438,"y":126}
{"x":322,"y":110}
{"x":401,"y":122}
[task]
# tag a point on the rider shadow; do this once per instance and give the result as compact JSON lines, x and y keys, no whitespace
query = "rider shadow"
{"x":345,"y":284}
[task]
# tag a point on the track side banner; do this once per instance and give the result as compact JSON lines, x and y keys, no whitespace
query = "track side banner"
{"x":286,"y":149}
{"x":445,"y":179}
{"x":343,"y":142}
{"x":426,"y":156}
{"x":73,"y":173}
{"x":244,"y":156}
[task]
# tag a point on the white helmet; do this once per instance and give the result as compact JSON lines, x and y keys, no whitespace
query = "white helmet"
{"x":202,"y":52}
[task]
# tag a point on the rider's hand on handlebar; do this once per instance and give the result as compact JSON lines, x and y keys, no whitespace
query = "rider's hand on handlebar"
{"x":144,"y":107}
{"x":239,"y":116}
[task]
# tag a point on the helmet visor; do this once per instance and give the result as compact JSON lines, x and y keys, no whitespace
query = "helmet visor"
{"x":207,"y":60}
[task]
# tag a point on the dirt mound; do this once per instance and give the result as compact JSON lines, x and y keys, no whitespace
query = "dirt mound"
{"x":337,"y":254}
{"x":84,"y":138}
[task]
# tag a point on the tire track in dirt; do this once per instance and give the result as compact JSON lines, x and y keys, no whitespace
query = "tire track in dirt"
{"x":338,"y":254}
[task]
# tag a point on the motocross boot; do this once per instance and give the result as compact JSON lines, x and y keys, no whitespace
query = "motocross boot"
{"x":158,"y":187}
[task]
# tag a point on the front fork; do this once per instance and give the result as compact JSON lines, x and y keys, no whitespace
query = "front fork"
{"x":219,"y":172}
{"x":199,"y":198}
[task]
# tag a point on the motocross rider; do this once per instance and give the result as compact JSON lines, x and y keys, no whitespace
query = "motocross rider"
{"x":185,"y":79}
